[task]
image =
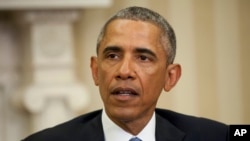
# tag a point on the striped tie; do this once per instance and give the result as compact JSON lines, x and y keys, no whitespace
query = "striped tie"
{"x":135,"y":139}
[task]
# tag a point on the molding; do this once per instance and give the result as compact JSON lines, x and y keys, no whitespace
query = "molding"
{"x":44,"y":16}
{"x":52,"y":4}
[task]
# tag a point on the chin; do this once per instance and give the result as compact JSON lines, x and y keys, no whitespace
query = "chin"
{"x":123,"y":114}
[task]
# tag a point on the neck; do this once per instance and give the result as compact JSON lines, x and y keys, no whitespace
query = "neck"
{"x":133,"y":127}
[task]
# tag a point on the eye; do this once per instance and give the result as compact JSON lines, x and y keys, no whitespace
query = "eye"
{"x":143,"y":58}
{"x":112,"y":56}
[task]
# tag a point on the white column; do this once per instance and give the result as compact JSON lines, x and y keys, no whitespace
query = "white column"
{"x":9,"y":118}
{"x":52,"y":93}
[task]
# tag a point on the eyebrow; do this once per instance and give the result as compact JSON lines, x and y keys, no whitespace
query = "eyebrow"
{"x":145,"y":50}
{"x":137,"y":50}
{"x":112,"y":49}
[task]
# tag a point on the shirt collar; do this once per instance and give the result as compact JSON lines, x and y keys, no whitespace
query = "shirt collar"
{"x":113,"y":132}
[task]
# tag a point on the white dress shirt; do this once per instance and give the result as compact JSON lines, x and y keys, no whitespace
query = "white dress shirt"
{"x":113,"y":132}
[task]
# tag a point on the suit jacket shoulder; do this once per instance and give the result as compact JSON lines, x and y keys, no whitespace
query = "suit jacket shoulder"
{"x":170,"y":126}
{"x":87,"y":127}
{"x":190,"y":128}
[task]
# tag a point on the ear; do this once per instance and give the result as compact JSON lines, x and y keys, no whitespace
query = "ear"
{"x":173,"y":74}
{"x":94,"y":69}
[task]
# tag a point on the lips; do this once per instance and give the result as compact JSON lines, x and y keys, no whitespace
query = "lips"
{"x":124,"y":91}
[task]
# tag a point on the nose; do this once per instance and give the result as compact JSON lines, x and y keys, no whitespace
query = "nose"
{"x":126,"y":70}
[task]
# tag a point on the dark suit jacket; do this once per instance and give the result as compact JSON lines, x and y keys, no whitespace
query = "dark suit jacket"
{"x":170,"y":126}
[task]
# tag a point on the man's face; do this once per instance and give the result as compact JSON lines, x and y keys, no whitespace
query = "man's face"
{"x":131,"y":69}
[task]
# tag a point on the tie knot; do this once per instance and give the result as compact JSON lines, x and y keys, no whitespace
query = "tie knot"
{"x":135,"y":139}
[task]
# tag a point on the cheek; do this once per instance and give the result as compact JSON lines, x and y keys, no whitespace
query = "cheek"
{"x":152,"y":81}
{"x":152,"y":75}
{"x":105,"y":74}
{"x":104,"y":83}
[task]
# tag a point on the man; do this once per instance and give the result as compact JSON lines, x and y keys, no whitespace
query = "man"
{"x":134,"y":63}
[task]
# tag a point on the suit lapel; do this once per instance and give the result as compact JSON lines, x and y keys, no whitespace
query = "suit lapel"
{"x":93,"y":130}
{"x":165,"y":131}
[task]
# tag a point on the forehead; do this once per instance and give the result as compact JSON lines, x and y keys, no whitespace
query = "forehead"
{"x":131,"y":32}
{"x":133,"y":26}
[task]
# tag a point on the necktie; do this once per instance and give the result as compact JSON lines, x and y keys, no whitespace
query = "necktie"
{"x":135,"y":139}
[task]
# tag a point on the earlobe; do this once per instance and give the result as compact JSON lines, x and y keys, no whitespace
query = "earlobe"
{"x":94,"y":69}
{"x":173,"y":74}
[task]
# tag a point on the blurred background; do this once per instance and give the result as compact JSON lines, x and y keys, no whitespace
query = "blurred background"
{"x":45,"y":50}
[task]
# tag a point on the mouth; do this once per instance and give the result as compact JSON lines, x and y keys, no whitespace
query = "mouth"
{"x":124,"y":92}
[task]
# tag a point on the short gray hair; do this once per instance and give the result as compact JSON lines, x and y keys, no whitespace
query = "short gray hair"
{"x":146,"y":15}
